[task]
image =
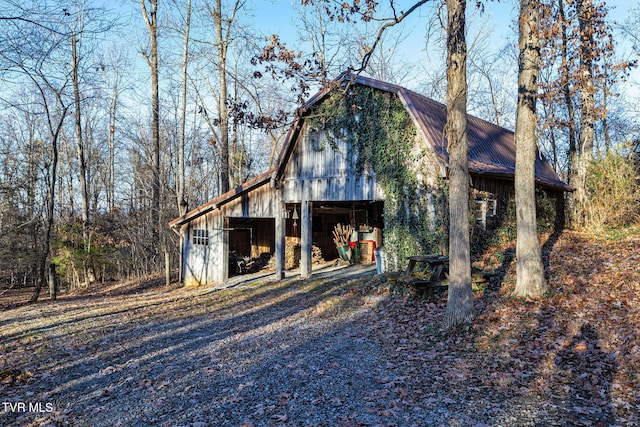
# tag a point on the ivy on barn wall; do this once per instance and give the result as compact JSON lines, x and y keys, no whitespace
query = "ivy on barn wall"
{"x":377,"y":126}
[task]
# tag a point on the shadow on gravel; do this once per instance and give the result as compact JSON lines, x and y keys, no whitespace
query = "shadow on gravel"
{"x":261,"y":353}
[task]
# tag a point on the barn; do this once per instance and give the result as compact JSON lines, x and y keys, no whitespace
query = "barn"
{"x":362,"y":153}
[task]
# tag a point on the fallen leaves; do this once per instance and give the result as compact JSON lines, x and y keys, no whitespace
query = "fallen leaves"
{"x":582,"y":340}
{"x":577,"y":349}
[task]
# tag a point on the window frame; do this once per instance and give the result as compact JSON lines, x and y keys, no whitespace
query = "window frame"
{"x":200,"y":236}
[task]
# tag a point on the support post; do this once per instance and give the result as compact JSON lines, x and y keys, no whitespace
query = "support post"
{"x":225,"y":249}
{"x":280,"y":238}
{"x":306,"y":228}
{"x":183,"y":239}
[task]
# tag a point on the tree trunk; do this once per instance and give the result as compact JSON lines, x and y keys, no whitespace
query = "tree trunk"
{"x":111,"y":187}
{"x":605,"y":122}
{"x":587,"y":109}
{"x":89,"y":272}
{"x":46,"y":245}
{"x":460,"y":298}
{"x":150,"y":17}
{"x":530,"y":278}
{"x":223,"y":110}
{"x":572,"y":153}
{"x":82,"y":163}
{"x":182,"y":202}
{"x":53,"y":284}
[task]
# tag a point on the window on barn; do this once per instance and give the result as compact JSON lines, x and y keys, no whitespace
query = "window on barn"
{"x":200,"y":236}
{"x":315,"y":140}
{"x":485,"y":208}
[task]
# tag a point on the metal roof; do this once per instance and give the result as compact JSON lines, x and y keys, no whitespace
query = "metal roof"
{"x":492,"y":150}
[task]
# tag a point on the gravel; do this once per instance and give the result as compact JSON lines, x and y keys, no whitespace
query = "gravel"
{"x":292,"y":353}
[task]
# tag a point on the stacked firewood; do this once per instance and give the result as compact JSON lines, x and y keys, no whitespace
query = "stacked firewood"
{"x":342,"y":234}
{"x":293,"y":254}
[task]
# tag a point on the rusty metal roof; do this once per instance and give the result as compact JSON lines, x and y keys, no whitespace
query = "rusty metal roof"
{"x":492,"y":149}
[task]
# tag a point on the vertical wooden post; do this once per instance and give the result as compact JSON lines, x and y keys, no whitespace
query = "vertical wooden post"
{"x":225,"y":249}
{"x":183,"y":239}
{"x":167,"y":268}
{"x":280,"y":238}
{"x":306,"y":238}
{"x":53,"y":291}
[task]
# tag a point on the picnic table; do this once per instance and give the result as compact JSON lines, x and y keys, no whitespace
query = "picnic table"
{"x":432,"y":271}
{"x":436,"y":267}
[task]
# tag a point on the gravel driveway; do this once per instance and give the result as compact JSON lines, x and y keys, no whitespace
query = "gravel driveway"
{"x":289,"y":353}
{"x":334,"y":350}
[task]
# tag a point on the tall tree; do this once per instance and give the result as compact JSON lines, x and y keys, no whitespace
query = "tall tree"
{"x":587,"y":20}
{"x":114,"y":64}
{"x":577,"y":50}
{"x":460,"y":296}
{"x":83,"y":22}
{"x":31,"y":52}
{"x":150,"y":15}
{"x":530,"y":278}
{"x":223,"y":32}
{"x":182,"y":202}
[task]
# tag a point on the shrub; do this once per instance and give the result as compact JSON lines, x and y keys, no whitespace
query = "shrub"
{"x":613,"y":191}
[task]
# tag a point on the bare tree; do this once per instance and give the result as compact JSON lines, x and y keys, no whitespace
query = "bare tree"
{"x":83,"y":22}
{"x":223,"y":28}
{"x":577,"y":50}
{"x":30,"y":52}
{"x":182,"y":202}
{"x":587,"y":22}
{"x":150,"y":15}
{"x":328,"y":43}
{"x":113,"y":63}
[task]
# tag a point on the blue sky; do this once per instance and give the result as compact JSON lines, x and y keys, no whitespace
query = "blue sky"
{"x":279,"y":17}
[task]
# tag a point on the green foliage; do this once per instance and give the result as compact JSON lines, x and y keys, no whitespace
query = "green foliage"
{"x":613,"y":191}
{"x":546,"y":212}
{"x":614,"y":234}
{"x":378,"y":128}
{"x":505,"y":230}
{"x":104,"y":252}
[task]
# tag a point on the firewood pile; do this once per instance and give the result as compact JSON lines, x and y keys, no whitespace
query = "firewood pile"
{"x":293,"y":253}
{"x":239,"y":264}
{"x":342,"y":234}
{"x":316,"y":255}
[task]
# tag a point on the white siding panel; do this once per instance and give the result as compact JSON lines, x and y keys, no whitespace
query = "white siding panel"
{"x":259,"y":203}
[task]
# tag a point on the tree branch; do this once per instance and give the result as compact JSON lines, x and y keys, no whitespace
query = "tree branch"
{"x":392,"y":22}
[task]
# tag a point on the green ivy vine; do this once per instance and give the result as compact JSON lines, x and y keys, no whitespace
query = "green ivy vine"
{"x":377,"y":126}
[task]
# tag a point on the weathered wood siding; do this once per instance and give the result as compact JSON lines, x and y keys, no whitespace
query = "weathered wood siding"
{"x":204,"y":263}
{"x":258,"y":203}
{"x":208,"y":264}
{"x":327,"y":173}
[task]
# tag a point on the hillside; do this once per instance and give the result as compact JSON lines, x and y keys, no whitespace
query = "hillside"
{"x":337,"y":350}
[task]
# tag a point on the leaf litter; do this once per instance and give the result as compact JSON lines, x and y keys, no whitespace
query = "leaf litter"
{"x":337,"y":352}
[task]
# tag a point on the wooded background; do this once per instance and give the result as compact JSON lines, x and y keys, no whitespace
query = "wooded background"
{"x":117,"y":119}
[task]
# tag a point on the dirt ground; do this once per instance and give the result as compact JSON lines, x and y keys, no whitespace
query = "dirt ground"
{"x":344,"y":348}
